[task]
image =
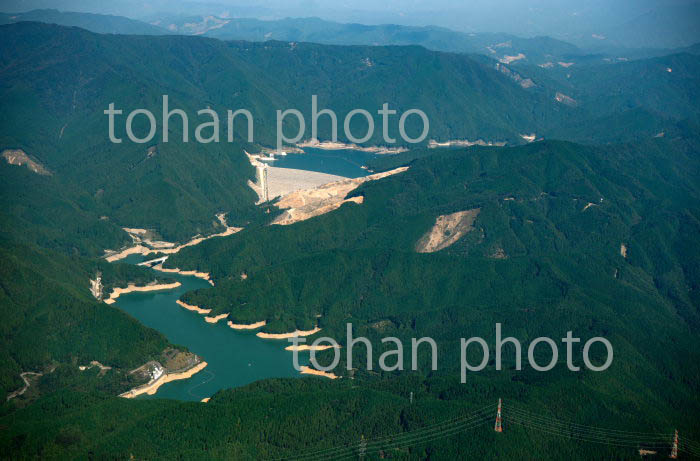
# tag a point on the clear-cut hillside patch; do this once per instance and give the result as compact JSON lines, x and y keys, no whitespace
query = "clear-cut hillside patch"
{"x":566,"y":100}
{"x":20,"y":158}
{"x":447,"y":230}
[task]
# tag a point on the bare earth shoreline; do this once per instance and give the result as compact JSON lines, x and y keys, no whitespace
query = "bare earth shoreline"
{"x":250,"y":326}
{"x":190,"y":307}
{"x":293,"y":334}
{"x":335,"y":145}
{"x":310,"y":371}
{"x":299,"y":204}
{"x":133,"y":288}
{"x":152,"y":387}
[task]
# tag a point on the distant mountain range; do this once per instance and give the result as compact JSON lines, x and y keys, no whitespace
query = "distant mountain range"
{"x":316,"y":30}
{"x":592,"y":24}
{"x":508,"y":48}
{"x":667,"y":26}
{"x":100,"y":23}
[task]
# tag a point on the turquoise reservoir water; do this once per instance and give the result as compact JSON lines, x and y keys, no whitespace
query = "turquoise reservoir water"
{"x":234,"y":357}
{"x":346,"y":163}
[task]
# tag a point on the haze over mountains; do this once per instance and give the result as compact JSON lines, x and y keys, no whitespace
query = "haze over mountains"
{"x":596,"y":24}
{"x":581,"y":215}
{"x":543,"y":51}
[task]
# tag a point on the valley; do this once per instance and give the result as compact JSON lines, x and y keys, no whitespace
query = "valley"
{"x":148,"y":290}
{"x":233,"y":358}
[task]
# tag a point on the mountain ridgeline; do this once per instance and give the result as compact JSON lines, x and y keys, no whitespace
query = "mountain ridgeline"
{"x":544,"y":237}
{"x":62,"y":79}
{"x":543,"y":256}
{"x":654,"y":31}
{"x":597,"y":241}
{"x":99,"y":23}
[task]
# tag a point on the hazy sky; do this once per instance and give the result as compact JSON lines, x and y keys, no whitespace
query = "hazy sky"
{"x":560,"y":18}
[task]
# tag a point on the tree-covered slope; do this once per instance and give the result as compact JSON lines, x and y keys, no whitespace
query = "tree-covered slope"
{"x":666,"y":86}
{"x":598,"y":241}
{"x":308,"y":418}
{"x":560,"y":269}
{"x":50,"y":213}
{"x":58,"y":81}
{"x":55,"y":91}
{"x":621,"y":100}
{"x":50,"y":318}
{"x":443,"y":181}
{"x":99,"y":23}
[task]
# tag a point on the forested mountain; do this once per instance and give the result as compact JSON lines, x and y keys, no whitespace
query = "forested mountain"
{"x":50,"y":319}
{"x":628,"y":41}
{"x":304,"y":418}
{"x":663,"y":85}
{"x":624,"y":100}
{"x":100,"y":23}
{"x":469,"y":97}
{"x":58,"y":81}
{"x":666,"y":26}
{"x":544,"y":256}
{"x":531,"y":202}
{"x":596,"y":23}
{"x":497,"y":46}
{"x":549,"y":236}
{"x":601,"y":240}
{"x":535,"y":50}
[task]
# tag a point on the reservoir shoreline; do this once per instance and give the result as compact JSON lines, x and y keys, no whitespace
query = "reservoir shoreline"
{"x":152,"y":387}
{"x":131,"y":288}
{"x":232,"y":358}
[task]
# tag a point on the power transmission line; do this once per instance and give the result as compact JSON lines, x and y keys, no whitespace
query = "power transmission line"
{"x":426,"y":431}
{"x":507,"y":414}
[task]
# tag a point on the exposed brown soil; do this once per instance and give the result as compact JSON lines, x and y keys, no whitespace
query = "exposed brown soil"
{"x":305,"y":204}
{"x":20,"y":158}
{"x":447,"y":230}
